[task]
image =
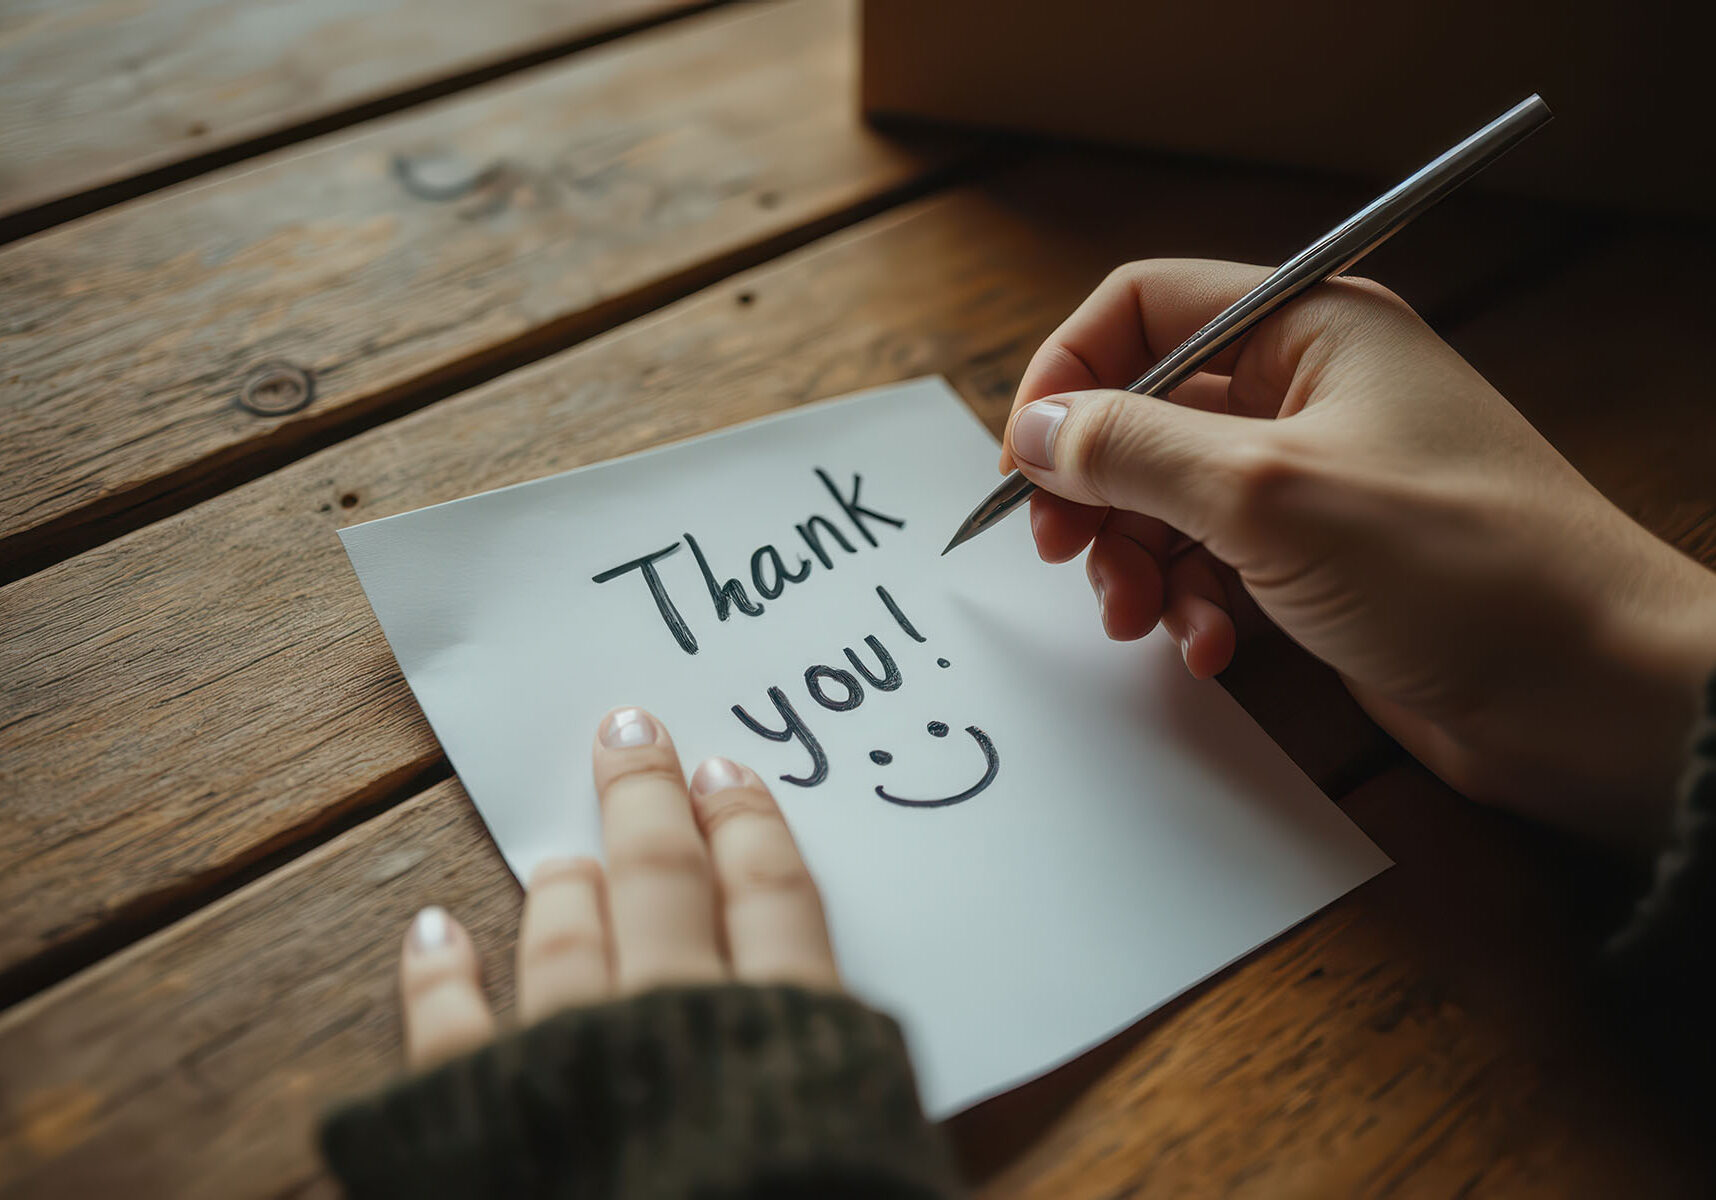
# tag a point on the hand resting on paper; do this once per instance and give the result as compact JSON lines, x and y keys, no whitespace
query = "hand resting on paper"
{"x":1348,"y":473}
{"x":688,"y":1036}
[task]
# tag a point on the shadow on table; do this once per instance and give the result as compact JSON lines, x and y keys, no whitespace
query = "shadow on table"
{"x":1438,"y":1021}
{"x":989,"y":1137}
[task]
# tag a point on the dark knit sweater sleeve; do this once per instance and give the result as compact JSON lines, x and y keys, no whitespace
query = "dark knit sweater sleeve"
{"x":707,"y":1092}
{"x":1661,"y":967}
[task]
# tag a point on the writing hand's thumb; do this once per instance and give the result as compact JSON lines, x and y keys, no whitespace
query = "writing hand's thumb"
{"x":1130,"y":452}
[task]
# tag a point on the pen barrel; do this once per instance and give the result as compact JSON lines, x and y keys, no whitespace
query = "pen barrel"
{"x":1329,"y":255}
{"x":1347,"y":243}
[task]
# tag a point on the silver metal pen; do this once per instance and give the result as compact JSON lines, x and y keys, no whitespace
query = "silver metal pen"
{"x":1330,"y":255}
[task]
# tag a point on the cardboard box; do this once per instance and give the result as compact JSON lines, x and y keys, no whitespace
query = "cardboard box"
{"x":1374,"y":88}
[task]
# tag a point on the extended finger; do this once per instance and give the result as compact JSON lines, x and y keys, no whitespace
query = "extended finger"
{"x":440,"y":986}
{"x":563,"y":946}
{"x":661,"y":891}
{"x":773,"y":916}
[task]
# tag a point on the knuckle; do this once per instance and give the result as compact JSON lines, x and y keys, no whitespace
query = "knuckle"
{"x":1098,"y":442}
{"x":425,"y":984}
{"x":1128,"y":273}
{"x":1139,"y":271}
{"x":1056,"y":356}
{"x":719,"y":810}
{"x":1137,"y":279}
{"x":773,"y":875}
{"x":557,"y":872}
{"x":1256,"y":475}
{"x":571,"y":941}
{"x":1371,"y":292}
{"x":658,"y":854}
{"x":638,"y":974}
{"x":1355,"y":304}
{"x":643,"y":771}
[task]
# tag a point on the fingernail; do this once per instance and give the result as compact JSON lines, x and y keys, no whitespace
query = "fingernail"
{"x":628,"y":727}
{"x":431,"y":929}
{"x":1186,"y":649}
{"x":716,"y":775}
{"x":1034,"y":431}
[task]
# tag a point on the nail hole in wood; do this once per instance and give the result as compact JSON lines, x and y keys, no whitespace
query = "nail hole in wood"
{"x":349,"y":500}
{"x":745,"y":299}
{"x":196,"y":129}
{"x":276,"y":389}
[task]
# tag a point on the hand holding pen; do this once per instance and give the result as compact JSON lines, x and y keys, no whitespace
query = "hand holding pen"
{"x":1344,"y":471}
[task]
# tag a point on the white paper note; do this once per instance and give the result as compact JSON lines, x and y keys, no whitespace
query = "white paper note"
{"x":1126,"y":831}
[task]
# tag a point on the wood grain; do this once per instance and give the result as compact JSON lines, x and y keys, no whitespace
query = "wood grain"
{"x":93,"y":92}
{"x":200,"y":693}
{"x":193,"y":1064}
{"x":1429,"y":1035}
{"x":400,"y":258}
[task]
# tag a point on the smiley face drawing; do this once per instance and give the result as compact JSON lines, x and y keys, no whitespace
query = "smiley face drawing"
{"x":991,"y":767}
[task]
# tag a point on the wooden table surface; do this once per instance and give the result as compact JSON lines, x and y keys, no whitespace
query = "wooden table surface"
{"x":266,"y":271}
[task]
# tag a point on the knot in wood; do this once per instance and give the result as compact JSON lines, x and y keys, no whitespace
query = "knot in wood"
{"x":276,"y":389}
{"x":442,"y":176}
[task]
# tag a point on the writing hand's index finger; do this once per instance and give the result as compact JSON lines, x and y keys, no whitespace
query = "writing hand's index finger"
{"x":1137,"y":314}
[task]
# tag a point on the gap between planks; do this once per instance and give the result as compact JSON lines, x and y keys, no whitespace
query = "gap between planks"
{"x":1364,"y":1027}
{"x":115,"y":516}
{"x":127,"y":928}
{"x":587,"y":193}
{"x":111,"y":517}
{"x":43,"y":215}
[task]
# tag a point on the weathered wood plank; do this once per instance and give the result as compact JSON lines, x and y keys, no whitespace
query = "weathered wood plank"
{"x":188,"y":697}
{"x":93,"y":92}
{"x":193,"y":1064}
{"x":1427,"y":1036}
{"x":392,"y":260}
